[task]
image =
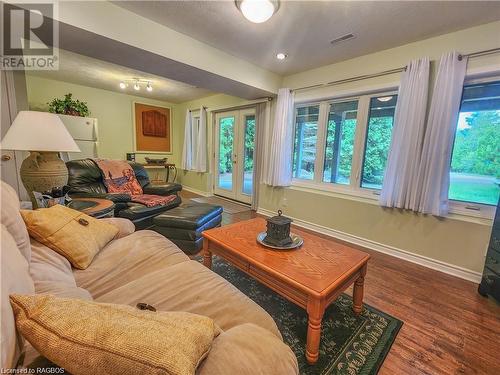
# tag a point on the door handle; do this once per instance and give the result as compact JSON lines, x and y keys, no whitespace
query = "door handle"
{"x":6,"y":157}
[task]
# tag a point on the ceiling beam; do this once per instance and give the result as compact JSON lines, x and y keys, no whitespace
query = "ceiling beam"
{"x":108,"y":32}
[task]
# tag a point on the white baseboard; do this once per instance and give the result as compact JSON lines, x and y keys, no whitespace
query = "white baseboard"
{"x":196,"y":191}
{"x":434,"y":264}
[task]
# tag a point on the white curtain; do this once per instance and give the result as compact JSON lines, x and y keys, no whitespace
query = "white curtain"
{"x":258,"y":153}
{"x":400,"y":179}
{"x":434,"y":173}
{"x":200,"y":163}
{"x":187,"y":148}
{"x":279,"y":161}
{"x":194,"y":140}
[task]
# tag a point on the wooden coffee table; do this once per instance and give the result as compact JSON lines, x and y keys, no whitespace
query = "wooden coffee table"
{"x":312,"y":276}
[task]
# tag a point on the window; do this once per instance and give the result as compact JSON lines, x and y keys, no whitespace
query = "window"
{"x":475,"y":163}
{"x":343,"y":145}
{"x":378,"y":140}
{"x":306,"y":134}
{"x":339,"y":147}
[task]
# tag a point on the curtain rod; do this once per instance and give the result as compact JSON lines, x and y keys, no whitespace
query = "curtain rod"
{"x":249,"y":103}
{"x":196,"y":109}
{"x":480,"y":53}
{"x":352,"y":79}
{"x":388,"y":72}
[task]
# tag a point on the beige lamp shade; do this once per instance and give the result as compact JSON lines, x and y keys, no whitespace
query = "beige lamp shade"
{"x":38,"y":131}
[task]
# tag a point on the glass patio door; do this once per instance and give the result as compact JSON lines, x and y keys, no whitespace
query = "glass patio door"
{"x":234,"y":149}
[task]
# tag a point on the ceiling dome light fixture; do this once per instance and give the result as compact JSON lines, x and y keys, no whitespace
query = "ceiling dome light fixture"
{"x":257,"y":11}
{"x":384,"y":98}
{"x":281,"y":56}
{"x":123,"y":85}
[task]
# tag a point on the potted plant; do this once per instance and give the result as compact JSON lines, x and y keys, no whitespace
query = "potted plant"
{"x":68,"y":106}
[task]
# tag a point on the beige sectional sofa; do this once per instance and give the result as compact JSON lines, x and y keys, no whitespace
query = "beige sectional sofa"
{"x":143,"y":266}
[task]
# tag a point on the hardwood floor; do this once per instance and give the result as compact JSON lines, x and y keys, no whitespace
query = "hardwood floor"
{"x":448,"y":327}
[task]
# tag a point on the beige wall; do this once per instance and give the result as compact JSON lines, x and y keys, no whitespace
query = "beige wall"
{"x":113,"y":111}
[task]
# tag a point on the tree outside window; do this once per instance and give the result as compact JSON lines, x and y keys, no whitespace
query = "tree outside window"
{"x":378,"y":140}
{"x":475,"y":164}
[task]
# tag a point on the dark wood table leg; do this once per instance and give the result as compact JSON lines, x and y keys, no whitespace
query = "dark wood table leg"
{"x":207,"y":255}
{"x":357,"y":295}
{"x":315,"y":310}
{"x":175,"y":173}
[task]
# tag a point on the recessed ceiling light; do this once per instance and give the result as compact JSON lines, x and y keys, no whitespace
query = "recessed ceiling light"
{"x":281,"y":56}
{"x":123,"y":85}
{"x":257,"y":11}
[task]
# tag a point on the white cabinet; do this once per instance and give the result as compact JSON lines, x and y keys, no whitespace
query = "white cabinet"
{"x":85,"y":133}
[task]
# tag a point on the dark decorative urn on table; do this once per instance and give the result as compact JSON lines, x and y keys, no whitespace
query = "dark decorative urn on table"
{"x":278,"y":230}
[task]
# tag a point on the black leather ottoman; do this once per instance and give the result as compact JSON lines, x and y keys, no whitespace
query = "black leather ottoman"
{"x":183,"y":225}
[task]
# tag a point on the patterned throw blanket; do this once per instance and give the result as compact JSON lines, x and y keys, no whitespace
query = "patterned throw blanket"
{"x":119,"y":178}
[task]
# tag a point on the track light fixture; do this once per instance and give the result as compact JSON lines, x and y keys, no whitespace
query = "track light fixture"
{"x":136,"y":84}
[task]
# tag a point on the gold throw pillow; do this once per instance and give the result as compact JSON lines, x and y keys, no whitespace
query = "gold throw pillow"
{"x":86,"y":337}
{"x":73,"y":234}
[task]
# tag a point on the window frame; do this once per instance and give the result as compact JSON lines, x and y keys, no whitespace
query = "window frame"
{"x":363,"y":156}
{"x":354,"y":188}
{"x":295,"y":112}
{"x":325,"y":133}
{"x":478,"y":210}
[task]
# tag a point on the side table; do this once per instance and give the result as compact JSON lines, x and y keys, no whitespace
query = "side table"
{"x":95,"y":207}
{"x":167,"y":166}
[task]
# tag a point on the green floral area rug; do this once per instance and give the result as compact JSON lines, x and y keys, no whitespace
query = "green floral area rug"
{"x":350,"y":344}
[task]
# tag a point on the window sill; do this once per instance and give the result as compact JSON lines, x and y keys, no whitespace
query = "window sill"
{"x":336,"y":190}
{"x":481,"y":214}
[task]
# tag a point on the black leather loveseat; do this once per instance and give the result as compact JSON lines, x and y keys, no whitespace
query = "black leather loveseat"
{"x":85,"y":180}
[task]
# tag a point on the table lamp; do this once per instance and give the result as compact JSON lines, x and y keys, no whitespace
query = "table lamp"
{"x":44,"y":135}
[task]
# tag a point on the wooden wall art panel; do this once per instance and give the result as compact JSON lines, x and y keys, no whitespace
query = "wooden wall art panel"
{"x":153,"y":128}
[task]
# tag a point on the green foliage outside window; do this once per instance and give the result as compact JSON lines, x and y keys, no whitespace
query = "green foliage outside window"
{"x":304,"y":150}
{"x":249,"y":143}
{"x":226,"y":145}
{"x":378,"y":142}
{"x":475,"y":165}
{"x":477,"y":147}
{"x":346,"y":150}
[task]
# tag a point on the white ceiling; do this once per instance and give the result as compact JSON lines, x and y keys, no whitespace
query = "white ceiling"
{"x":87,"y":71}
{"x":304,"y":29}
